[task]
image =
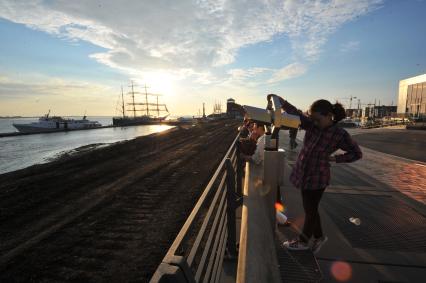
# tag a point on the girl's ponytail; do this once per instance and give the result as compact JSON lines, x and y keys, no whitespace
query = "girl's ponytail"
{"x":338,"y":111}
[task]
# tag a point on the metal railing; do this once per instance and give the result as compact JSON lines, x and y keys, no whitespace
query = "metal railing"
{"x":417,"y":126}
{"x":380,"y":124}
{"x":209,"y":233}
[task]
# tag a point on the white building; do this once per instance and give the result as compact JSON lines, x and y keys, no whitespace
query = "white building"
{"x":412,"y":97}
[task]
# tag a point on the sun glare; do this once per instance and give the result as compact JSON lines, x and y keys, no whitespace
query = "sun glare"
{"x":159,"y":82}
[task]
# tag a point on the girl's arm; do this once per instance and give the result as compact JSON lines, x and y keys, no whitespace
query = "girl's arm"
{"x":306,"y":121}
{"x":353,"y":152}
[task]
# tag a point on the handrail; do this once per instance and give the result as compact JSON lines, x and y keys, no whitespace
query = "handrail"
{"x":257,"y":259}
{"x":197,"y":253}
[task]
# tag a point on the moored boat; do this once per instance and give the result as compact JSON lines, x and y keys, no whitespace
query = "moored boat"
{"x":56,"y":123}
{"x":151,"y":110}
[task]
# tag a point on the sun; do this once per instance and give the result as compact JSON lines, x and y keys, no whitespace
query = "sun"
{"x":159,"y":83}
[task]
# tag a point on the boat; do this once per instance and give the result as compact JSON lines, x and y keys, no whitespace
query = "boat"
{"x":56,"y":124}
{"x":150,"y":111}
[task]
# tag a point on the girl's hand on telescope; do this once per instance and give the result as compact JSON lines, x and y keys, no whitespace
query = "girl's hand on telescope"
{"x":279,"y":97}
{"x":282,"y":100}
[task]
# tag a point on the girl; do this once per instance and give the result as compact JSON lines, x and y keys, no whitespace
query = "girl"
{"x":311,"y":173}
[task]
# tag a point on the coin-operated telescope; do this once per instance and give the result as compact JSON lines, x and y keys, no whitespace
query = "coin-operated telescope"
{"x":273,"y":164}
{"x":274,"y":117}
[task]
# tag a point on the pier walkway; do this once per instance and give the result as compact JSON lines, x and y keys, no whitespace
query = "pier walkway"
{"x":387,"y":242}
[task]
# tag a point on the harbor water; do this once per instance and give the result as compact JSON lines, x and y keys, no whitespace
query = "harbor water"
{"x":17,"y":152}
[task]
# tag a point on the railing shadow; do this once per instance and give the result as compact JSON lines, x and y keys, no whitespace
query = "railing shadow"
{"x":209,"y":233}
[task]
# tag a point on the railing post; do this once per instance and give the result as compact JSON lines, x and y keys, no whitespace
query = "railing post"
{"x":230,"y":197}
{"x":167,"y":273}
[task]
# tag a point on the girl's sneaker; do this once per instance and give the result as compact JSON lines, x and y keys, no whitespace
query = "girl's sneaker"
{"x":318,"y":243}
{"x":296,"y":245}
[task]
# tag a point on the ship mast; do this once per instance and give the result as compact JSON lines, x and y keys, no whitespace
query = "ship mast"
{"x":122,"y":100}
{"x":133,"y":98}
{"x":150,"y":108}
{"x":158,"y":109}
{"x":146,"y":101}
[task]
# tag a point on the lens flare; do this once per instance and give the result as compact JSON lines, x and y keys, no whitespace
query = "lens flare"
{"x":279,"y":207}
{"x":341,"y":271}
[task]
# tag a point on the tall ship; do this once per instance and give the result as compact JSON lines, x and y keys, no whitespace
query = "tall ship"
{"x":141,"y":113}
{"x":56,"y":124}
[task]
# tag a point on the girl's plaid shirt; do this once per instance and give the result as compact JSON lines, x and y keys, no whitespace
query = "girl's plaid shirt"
{"x":312,"y":168}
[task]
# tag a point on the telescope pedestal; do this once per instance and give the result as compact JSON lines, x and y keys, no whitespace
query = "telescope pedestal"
{"x":273,"y":169}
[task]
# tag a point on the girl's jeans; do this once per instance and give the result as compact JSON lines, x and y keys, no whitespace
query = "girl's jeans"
{"x":312,"y":226}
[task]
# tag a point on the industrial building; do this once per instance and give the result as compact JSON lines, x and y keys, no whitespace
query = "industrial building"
{"x":234,"y":110}
{"x":380,"y":111}
{"x":353,"y":113}
{"x":412,"y":97}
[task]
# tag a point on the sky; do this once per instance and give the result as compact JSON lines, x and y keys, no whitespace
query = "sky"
{"x":74,"y":56}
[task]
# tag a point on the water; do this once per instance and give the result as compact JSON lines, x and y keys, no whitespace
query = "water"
{"x":22,"y":151}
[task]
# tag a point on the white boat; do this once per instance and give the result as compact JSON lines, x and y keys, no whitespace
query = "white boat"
{"x":56,"y":123}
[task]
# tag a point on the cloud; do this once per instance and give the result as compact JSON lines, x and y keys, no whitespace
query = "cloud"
{"x":288,"y":72}
{"x":34,"y":94}
{"x":349,"y":46}
{"x":36,"y":85}
{"x":249,"y":77}
{"x":201,"y":35}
